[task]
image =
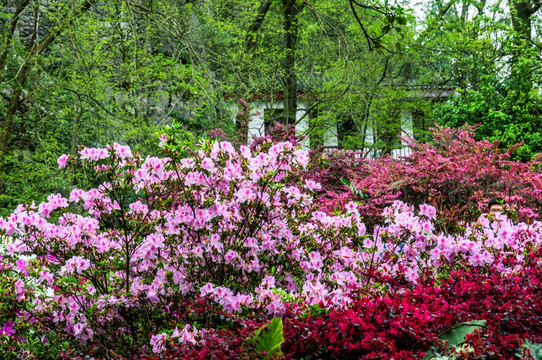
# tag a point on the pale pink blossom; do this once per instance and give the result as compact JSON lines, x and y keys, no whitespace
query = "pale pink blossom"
{"x":158,"y":343}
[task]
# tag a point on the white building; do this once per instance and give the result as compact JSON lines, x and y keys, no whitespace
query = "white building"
{"x":265,"y":112}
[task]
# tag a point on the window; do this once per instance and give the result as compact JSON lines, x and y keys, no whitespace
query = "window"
{"x":420,"y":125}
{"x":271,"y":116}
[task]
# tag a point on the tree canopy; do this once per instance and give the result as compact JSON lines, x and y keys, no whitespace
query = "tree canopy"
{"x":92,"y":72}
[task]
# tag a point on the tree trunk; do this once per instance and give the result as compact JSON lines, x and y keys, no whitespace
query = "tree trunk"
{"x":290,"y":78}
{"x":255,"y":26}
{"x":521,"y":72}
{"x":521,"y":17}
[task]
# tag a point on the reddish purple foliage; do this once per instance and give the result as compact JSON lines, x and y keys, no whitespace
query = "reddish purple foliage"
{"x":455,"y":173}
{"x":405,"y":323}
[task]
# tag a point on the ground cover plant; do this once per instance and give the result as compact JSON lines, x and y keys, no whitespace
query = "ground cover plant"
{"x":199,"y":256}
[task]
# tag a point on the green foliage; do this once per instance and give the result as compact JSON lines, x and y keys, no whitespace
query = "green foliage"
{"x":359,"y":193}
{"x":455,"y":336}
{"x":315,"y":311}
{"x":179,"y":140}
{"x":496,"y":76}
{"x":268,"y":338}
{"x":500,"y":115}
{"x":535,"y":350}
{"x":125,"y":70}
{"x":30,"y":176}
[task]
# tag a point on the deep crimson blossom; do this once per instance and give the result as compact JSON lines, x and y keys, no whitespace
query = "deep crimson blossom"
{"x":405,"y":322}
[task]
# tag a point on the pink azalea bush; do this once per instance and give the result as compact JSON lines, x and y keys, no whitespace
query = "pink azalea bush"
{"x":168,"y":254}
{"x":158,"y":233}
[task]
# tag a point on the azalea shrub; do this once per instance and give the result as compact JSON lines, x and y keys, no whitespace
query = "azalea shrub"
{"x":189,"y":256}
{"x":455,"y":173}
{"x":405,"y":324}
{"x":161,"y":233}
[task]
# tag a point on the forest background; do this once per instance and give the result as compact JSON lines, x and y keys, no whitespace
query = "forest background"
{"x":93,"y":72}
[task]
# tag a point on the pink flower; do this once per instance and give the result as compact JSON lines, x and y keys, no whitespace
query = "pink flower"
{"x":368,"y":243}
{"x":315,"y":262}
{"x":19,"y":288}
{"x":8,"y":328}
{"x":206,"y":289}
{"x":227,"y":147}
{"x":75,"y":264}
{"x":312,"y":185}
{"x":351,"y":207}
{"x":245,"y":194}
{"x":230,"y":256}
{"x":187,"y":336}
{"x":46,"y":276}
{"x":302,"y":157}
{"x":93,"y":154}
{"x":315,"y":292}
{"x":428,"y":210}
{"x":208,"y":164}
{"x":122,"y":151}
{"x":73,"y":306}
{"x":476,"y":260}
{"x":22,"y":266}
{"x":163,"y":140}
{"x":488,"y":258}
{"x":158,"y":343}
{"x":245,"y":151}
{"x":62,"y":161}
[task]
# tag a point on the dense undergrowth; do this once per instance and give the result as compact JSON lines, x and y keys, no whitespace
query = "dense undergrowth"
{"x":189,"y":257}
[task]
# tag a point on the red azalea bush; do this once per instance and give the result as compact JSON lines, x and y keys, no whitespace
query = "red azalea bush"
{"x":455,"y":173}
{"x":404,"y":323}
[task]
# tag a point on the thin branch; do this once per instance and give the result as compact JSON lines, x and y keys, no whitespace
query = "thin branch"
{"x":319,"y":21}
{"x":368,"y":38}
{"x":256,"y":24}
{"x":9,"y":37}
{"x":369,"y":7}
{"x":79,"y":94}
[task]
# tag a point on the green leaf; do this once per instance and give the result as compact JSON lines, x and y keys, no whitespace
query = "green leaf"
{"x":534,"y":349}
{"x":455,"y":335}
{"x":270,"y":337}
{"x":345,"y":181}
{"x":283,"y":8}
{"x":299,"y":2}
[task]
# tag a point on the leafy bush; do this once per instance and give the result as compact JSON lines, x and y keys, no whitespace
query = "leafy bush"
{"x":455,"y":173}
{"x":190,"y":256}
{"x":159,"y":234}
